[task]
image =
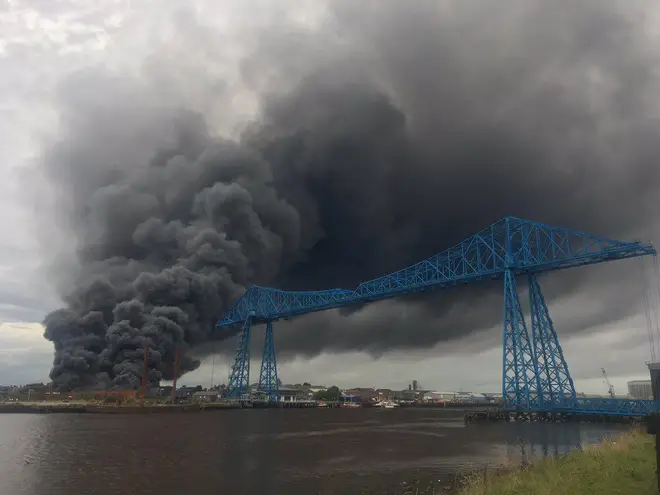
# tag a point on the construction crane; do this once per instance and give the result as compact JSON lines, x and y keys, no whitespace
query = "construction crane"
{"x":610,"y":387}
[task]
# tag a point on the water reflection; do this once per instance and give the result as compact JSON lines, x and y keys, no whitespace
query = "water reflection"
{"x":263,"y":451}
{"x":528,"y":441}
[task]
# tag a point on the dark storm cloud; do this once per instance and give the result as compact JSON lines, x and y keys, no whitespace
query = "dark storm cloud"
{"x":443,"y":118}
{"x":489,"y":111}
{"x":450,"y":122}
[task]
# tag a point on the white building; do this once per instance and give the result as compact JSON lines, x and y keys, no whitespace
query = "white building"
{"x":640,"y":389}
{"x":207,"y":396}
{"x":433,"y":395}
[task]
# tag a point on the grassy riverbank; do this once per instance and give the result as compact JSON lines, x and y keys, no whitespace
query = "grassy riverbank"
{"x":623,"y":465}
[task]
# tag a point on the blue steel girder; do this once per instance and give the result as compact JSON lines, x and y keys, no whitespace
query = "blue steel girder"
{"x":555,"y":381}
{"x":536,"y":247}
{"x":609,"y":407}
{"x":598,"y":405}
{"x":510,"y":243}
{"x":268,"y":381}
{"x":520,"y":383}
{"x":269,"y":304}
{"x":239,"y":379}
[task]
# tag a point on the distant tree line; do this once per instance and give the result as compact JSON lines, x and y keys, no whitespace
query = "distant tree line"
{"x":331,"y":393}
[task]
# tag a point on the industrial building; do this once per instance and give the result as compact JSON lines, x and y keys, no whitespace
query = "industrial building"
{"x":640,"y":389}
{"x":432,"y":395}
{"x":205,"y":396}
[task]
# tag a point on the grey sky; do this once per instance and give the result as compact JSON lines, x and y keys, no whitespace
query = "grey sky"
{"x":197,"y":52}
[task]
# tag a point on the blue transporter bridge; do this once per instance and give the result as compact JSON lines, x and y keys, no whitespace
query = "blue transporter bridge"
{"x":535,"y":375}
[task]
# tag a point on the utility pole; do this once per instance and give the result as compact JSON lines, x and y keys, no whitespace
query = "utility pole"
{"x":653,"y":419}
{"x":176,"y":373}
{"x":145,"y":371}
{"x":212,"y":371}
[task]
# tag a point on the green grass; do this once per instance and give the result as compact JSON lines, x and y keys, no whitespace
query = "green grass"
{"x":623,"y":465}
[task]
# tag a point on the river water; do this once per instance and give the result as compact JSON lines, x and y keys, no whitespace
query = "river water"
{"x":267,"y":451}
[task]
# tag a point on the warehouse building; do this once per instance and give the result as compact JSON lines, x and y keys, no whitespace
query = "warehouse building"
{"x":640,"y":389}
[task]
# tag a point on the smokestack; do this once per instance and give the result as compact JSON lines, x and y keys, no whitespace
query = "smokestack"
{"x":176,"y":373}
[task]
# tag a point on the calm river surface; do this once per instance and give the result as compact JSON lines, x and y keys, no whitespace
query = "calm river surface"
{"x":299,"y":451}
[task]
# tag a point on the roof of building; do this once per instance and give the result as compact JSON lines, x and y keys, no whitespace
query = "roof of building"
{"x":289,"y":389}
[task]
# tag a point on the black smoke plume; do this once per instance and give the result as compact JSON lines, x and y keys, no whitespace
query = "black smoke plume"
{"x":438,"y":119}
{"x":163,"y":245}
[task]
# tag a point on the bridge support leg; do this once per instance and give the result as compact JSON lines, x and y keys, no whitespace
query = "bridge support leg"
{"x":520,"y":377}
{"x":268,"y":382}
{"x":239,"y":379}
{"x":556,"y":384}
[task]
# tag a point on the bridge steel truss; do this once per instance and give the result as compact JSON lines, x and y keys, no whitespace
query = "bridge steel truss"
{"x":535,"y":373}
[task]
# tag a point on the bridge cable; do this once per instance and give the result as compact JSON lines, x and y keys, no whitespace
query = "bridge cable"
{"x":647,"y":311}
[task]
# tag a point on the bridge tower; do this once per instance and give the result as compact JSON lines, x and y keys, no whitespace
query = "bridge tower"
{"x":239,"y":379}
{"x":268,"y":382}
{"x":535,"y":373}
{"x":520,"y":384}
{"x":555,"y":382}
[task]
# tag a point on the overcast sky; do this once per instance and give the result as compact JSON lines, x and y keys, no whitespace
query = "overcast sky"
{"x":43,"y":42}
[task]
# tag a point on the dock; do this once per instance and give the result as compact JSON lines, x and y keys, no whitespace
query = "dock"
{"x":498,"y":414}
{"x":298,"y":404}
{"x":81,"y":407}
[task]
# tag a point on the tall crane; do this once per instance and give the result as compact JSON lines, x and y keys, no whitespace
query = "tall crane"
{"x":610,"y":387}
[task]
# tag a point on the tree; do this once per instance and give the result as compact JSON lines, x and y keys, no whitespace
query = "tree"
{"x":332,"y":393}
